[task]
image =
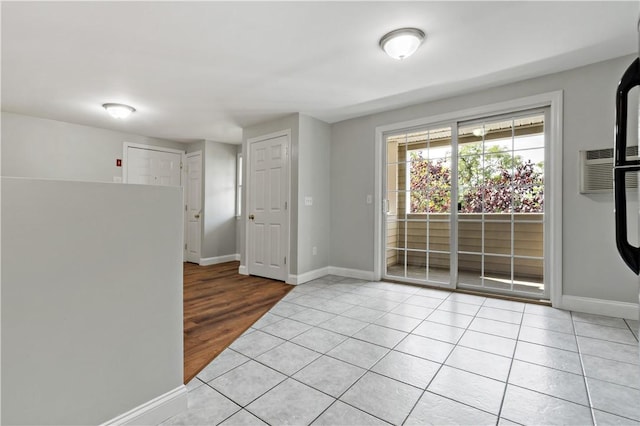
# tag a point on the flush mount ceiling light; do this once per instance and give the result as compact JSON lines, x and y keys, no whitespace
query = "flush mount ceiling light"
{"x":402,"y":43}
{"x":118,"y":110}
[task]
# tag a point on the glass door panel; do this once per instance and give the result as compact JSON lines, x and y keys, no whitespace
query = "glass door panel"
{"x":418,"y":205}
{"x":500,"y":205}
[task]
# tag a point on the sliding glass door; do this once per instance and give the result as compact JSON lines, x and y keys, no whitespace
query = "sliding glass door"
{"x":468,"y":211}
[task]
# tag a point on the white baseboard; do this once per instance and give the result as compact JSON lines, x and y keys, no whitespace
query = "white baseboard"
{"x":601,"y":307}
{"x":206,"y":261}
{"x":351,"y":273}
{"x":308,"y":276}
{"x":243,"y":270}
{"x":155,"y":411}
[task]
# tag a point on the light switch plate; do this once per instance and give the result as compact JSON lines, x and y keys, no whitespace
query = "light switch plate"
{"x":308,"y":201}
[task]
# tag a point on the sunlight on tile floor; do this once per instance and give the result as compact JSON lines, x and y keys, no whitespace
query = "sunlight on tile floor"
{"x":341,"y":351}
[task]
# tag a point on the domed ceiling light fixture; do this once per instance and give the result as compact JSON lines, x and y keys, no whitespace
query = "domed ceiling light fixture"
{"x":402,"y":43}
{"x":119,"y":110}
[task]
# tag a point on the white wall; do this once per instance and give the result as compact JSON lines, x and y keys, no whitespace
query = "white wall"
{"x":41,"y":148}
{"x":592,"y":267}
{"x":219,"y":221}
{"x":313,"y":181}
{"x":91,"y":299}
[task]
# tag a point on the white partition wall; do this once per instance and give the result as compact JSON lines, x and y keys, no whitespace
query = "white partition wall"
{"x":91,"y":302}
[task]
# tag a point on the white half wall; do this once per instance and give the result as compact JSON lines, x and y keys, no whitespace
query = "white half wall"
{"x":91,"y":300}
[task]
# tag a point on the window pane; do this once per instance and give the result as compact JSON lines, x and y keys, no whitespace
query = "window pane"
{"x":417,"y":264}
{"x":395,"y":263}
{"x":439,"y":236}
{"x":528,"y":275}
{"x":439,"y":268}
{"x":497,"y":237}
{"x":417,"y":235}
{"x":470,"y":236}
{"x":395,"y":234}
{"x":528,"y":238}
{"x":469,"y":269}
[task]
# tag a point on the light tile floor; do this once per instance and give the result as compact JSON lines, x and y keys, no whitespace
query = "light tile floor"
{"x":340,"y":351}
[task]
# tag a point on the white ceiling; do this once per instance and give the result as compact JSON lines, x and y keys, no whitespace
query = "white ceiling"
{"x":204,"y":70}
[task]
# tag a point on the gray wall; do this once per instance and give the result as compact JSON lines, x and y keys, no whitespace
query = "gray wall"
{"x":219,"y":222}
{"x":91,"y":299}
{"x":290,"y":122}
{"x":313,"y":181}
{"x":592,"y":267}
{"x":41,"y":148}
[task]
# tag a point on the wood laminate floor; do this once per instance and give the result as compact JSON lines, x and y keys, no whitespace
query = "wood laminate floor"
{"x":219,"y":305}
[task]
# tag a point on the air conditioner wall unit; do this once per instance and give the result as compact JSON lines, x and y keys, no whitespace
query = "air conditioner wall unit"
{"x":596,"y":170}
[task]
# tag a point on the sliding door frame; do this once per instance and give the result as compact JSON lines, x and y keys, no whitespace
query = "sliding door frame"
{"x":553,"y":182}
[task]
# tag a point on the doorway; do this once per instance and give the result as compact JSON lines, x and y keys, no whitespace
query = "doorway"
{"x":193,"y":207}
{"x":464,"y":204}
{"x":151,"y":165}
{"x":268,"y":206}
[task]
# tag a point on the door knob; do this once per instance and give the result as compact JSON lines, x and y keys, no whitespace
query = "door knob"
{"x":251,"y":217}
{"x":197,"y":216}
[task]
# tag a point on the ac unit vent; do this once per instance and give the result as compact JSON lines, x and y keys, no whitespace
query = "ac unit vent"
{"x":596,"y":154}
{"x":596,"y":170}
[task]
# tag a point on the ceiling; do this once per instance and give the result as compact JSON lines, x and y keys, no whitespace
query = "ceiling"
{"x":205,"y":70}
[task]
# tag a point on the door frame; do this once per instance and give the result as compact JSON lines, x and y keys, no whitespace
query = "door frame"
{"x":553,"y":182}
{"x":249,"y":192}
{"x":125,"y":162}
{"x":186,"y":188}
{"x":125,"y":157}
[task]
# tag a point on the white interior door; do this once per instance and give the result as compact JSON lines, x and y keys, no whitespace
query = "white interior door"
{"x":151,"y":167}
{"x":268,"y":224}
{"x":193,"y":206}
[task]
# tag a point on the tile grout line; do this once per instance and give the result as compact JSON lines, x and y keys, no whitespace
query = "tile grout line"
{"x":368,"y":323}
{"x":369,"y":370}
{"x":584,"y":374}
{"x":298,"y":381}
{"x":513,"y":358}
{"x":635,"y":334}
{"x":442,"y":364}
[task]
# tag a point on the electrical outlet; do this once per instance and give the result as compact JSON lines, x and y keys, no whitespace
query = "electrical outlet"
{"x":314,"y":250}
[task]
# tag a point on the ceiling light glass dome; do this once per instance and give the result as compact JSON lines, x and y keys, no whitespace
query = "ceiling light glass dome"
{"x":402,"y":43}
